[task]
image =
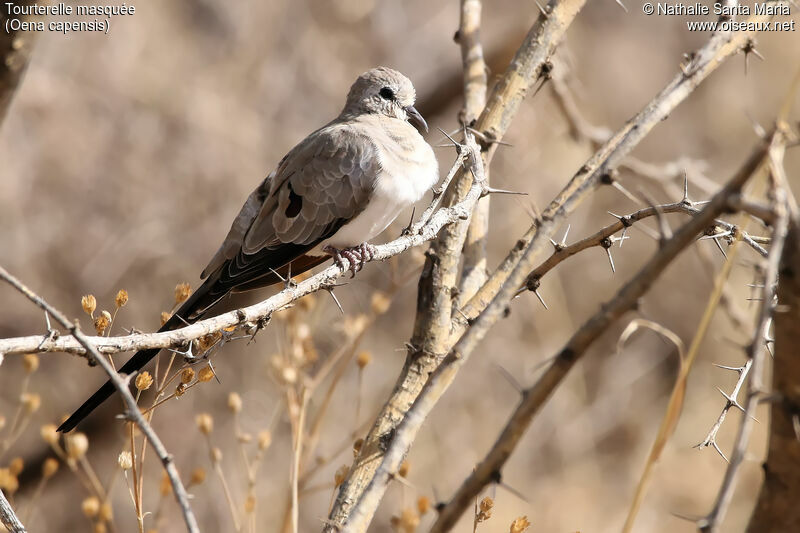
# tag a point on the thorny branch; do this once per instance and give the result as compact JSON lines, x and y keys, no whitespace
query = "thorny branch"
{"x":731,"y":400}
{"x":121,"y":384}
{"x":604,"y":237}
{"x":720,"y":47}
{"x":534,"y":397}
{"x":253,"y":314}
{"x":755,"y":351}
{"x":431,"y":338}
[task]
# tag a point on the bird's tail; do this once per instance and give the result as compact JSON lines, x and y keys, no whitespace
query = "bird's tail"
{"x":191,"y":310}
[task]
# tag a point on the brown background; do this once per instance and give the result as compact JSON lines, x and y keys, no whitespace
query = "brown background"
{"x":125,"y":156}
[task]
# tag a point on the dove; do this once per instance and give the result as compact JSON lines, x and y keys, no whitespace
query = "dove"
{"x":335,"y":191}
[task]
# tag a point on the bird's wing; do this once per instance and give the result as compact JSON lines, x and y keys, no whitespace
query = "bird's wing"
{"x":322,"y":184}
{"x":326,"y":180}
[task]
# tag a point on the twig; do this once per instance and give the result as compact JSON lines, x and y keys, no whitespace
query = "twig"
{"x":604,"y":234}
{"x":755,"y":353}
{"x":534,"y":397}
{"x":121,"y":385}
{"x":730,"y":401}
{"x":8,"y":518}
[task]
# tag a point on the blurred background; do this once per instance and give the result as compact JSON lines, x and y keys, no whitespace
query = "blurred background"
{"x":124,"y":157}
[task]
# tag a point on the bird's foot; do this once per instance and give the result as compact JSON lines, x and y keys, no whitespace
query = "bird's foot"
{"x":356,"y":257}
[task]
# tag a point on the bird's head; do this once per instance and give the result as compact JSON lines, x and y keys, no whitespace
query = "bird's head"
{"x":387,"y":92}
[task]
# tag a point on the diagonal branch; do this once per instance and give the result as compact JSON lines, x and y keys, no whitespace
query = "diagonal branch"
{"x":432,"y":328}
{"x":121,"y":385}
{"x":8,"y":518}
{"x":534,"y":397}
{"x":755,"y":352}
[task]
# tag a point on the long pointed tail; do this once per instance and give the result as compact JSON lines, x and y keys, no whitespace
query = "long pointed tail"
{"x":201,"y":299}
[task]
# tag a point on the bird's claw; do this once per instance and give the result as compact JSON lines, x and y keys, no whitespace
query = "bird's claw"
{"x":356,"y":257}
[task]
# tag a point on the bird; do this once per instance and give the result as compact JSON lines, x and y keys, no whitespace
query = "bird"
{"x":328,"y":197}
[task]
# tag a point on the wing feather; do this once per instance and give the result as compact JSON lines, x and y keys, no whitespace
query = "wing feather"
{"x":332,"y":171}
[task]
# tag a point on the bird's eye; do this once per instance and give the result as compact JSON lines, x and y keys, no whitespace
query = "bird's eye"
{"x":387,"y":93}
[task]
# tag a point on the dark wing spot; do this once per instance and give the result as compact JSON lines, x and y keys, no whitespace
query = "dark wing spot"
{"x":295,"y":204}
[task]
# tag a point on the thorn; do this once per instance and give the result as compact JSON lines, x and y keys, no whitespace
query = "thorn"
{"x":51,"y":335}
{"x":715,"y":236}
{"x":509,"y":377}
{"x":685,"y":199}
{"x":738,"y":369}
{"x":686,"y":517}
{"x":513,"y":491}
{"x":458,"y":146}
{"x":564,"y":239}
{"x":757,"y":128}
{"x":543,"y":11}
{"x":720,"y":248}
{"x":621,"y":238}
{"x":289,"y":283}
{"x":611,"y":260}
{"x":731,"y":400}
{"x":719,"y":451}
{"x":620,"y":4}
{"x":214,"y":371}
{"x":486,"y":139}
{"x":261,"y":324}
{"x":407,"y":229}
{"x":491,"y":190}
{"x":544,"y":76}
{"x":750,"y":48}
{"x":185,"y":323}
{"x":329,"y":289}
{"x":188,"y":355}
{"x":541,"y":300}
{"x":617,"y":185}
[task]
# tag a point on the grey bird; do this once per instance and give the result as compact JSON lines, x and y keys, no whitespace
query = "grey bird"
{"x":329,"y":196}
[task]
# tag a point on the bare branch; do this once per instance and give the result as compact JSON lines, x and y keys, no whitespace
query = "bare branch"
{"x":8,"y":518}
{"x":121,"y":385}
{"x":432,"y":329}
{"x":534,"y":397}
{"x":755,"y":352}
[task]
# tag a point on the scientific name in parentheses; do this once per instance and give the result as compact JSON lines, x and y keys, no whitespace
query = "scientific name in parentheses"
{"x":681,"y":9}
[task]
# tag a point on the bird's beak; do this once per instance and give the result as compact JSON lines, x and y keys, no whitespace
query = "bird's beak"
{"x":415,"y":118}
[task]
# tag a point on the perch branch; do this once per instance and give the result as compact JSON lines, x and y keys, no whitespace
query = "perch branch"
{"x":240,"y":317}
